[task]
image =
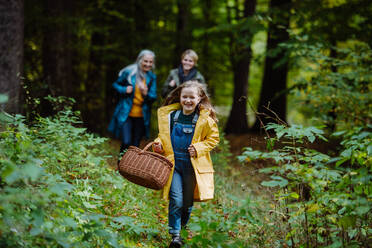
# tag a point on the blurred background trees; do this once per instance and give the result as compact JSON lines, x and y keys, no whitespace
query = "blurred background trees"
{"x":248,"y":49}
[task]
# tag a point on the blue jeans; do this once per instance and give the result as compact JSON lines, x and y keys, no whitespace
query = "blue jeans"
{"x":132,"y":132}
{"x":181,"y":195}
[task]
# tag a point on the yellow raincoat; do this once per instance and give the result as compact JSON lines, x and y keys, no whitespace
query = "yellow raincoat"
{"x":205,"y":138}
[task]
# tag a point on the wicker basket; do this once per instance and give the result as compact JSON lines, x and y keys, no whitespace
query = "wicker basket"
{"x":148,"y":169}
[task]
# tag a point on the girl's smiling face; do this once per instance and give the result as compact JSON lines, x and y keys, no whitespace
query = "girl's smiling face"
{"x":189,"y":99}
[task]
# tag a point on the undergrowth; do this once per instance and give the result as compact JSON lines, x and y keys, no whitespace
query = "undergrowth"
{"x":57,"y":190}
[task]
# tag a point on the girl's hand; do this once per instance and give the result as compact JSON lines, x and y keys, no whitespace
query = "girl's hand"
{"x":129,"y":89}
{"x":192,"y":151}
{"x":157,"y":147}
{"x":172,"y":83}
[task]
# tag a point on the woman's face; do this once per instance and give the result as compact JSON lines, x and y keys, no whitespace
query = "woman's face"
{"x":187,"y":63}
{"x":147,"y":63}
{"x":189,"y":99}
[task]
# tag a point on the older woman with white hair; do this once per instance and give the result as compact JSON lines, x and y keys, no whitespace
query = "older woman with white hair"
{"x":136,"y":87}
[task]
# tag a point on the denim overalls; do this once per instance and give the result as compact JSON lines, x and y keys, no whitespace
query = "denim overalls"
{"x":181,"y":194}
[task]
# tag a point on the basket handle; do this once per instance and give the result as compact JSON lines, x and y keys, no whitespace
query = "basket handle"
{"x":147,"y":146}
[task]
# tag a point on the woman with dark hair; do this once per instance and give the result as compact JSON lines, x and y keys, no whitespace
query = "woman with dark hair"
{"x":136,"y":87}
{"x":185,"y":72}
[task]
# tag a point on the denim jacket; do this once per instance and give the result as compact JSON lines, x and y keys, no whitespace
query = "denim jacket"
{"x":124,"y":105}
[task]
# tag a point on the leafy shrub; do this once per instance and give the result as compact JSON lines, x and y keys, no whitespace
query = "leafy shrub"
{"x":336,"y":88}
{"x":57,"y":190}
{"x":325,"y":200}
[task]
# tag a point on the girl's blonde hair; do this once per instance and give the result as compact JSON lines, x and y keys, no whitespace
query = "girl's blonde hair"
{"x":175,"y":95}
{"x":192,"y":54}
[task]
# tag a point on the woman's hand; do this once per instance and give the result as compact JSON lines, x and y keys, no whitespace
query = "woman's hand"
{"x":129,"y":89}
{"x":192,"y":151}
{"x":157,"y":147}
{"x":172,"y":83}
{"x":144,"y":89}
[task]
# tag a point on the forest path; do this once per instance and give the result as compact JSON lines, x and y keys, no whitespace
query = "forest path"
{"x":246,"y":176}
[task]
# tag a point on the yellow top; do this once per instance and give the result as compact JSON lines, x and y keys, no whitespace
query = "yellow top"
{"x":136,"y":110}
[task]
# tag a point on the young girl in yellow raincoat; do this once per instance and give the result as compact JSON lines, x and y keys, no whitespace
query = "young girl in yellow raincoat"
{"x":187,"y":133}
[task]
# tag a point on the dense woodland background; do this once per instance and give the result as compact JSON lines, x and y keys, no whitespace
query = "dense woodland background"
{"x":291,"y":81}
{"x":76,"y":48}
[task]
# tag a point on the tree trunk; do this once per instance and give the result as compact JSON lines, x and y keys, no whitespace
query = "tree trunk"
{"x":56,"y":48}
{"x":11,"y":55}
{"x":274,"y":85}
{"x":332,"y":116}
{"x":209,"y":21}
{"x":183,"y":32}
{"x":237,"y":123}
{"x":95,"y":92}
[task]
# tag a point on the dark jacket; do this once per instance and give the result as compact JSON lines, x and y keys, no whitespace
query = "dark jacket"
{"x":173,"y":75}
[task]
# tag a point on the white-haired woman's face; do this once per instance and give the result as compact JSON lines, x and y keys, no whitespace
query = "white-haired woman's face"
{"x":147,"y":63}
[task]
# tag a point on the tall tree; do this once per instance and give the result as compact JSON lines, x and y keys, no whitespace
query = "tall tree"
{"x":273,"y":98}
{"x":11,"y":55}
{"x":183,"y":31}
{"x":209,"y":10}
{"x":240,"y":56}
{"x":56,"y":47}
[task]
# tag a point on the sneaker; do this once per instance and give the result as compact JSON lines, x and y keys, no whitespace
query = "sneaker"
{"x":176,"y":241}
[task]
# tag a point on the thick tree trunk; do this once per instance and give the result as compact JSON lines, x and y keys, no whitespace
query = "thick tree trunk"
{"x":11,"y":55}
{"x":95,"y":91}
{"x":141,"y":25}
{"x":183,"y":32}
{"x":57,"y":48}
{"x":274,"y":85}
{"x":209,"y":21}
{"x":237,"y":123}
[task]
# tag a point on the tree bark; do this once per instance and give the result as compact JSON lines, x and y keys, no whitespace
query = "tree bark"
{"x":208,"y":8}
{"x":95,"y":91}
{"x":57,"y":48}
{"x":183,"y":32}
{"x":237,"y":122}
{"x":273,"y":91}
{"x":11,"y":55}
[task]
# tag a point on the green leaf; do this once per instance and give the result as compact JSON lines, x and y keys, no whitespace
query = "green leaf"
{"x":89,"y":205}
{"x":361,"y":210}
{"x":369,"y":150}
{"x":3,"y":98}
{"x":32,"y":171}
{"x":266,"y":170}
{"x":271,"y":183}
{"x":35,"y":231}
{"x":339,"y":133}
{"x":347,"y":221}
{"x":123,"y":219}
{"x":338,"y":163}
{"x":70,"y":222}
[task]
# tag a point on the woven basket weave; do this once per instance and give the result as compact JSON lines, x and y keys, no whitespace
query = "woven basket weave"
{"x":148,"y":169}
